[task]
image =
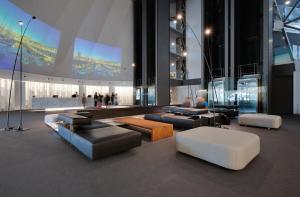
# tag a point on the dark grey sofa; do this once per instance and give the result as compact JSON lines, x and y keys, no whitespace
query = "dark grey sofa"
{"x":185,"y":110}
{"x":96,"y":139}
{"x":178,"y":121}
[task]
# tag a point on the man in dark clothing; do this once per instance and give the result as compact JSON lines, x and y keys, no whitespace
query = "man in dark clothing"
{"x":95,"y":99}
{"x":112,"y":98}
{"x":106,"y":99}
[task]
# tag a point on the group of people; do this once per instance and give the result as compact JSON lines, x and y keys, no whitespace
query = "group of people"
{"x":106,"y":100}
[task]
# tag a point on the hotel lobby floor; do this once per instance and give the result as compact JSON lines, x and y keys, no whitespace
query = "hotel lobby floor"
{"x":38,"y":163}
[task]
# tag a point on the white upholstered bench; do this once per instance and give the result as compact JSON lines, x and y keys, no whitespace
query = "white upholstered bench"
{"x":51,"y":121}
{"x":260,"y":120}
{"x":227,"y":148}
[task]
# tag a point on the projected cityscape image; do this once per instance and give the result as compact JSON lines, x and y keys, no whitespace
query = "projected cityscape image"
{"x":94,"y":60}
{"x":39,"y":44}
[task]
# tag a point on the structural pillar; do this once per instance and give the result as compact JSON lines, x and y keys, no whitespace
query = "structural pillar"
{"x":144,"y":54}
{"x":267,"y":55}
{"x":162,"y":52}
{"x":232,"y":44}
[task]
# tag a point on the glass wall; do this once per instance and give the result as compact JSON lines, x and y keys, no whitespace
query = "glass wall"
{"x":286,"y":31}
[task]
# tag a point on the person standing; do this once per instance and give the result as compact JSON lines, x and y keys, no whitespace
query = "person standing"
{"x":106,"y":99}
{"x":116,"y":99}
{"x":95,"y":99}
{"x":112,"y":98}
{"x":100,"y":99}
{"x":83,"y":100}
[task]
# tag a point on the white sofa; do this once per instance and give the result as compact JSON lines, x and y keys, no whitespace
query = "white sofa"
{"x":227,"y":148}
{"x":260,"y":120}
{"x":51,"y":120}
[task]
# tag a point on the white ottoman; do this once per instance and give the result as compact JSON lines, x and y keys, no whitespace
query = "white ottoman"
{"x":51,"y":121}
{"x":227,"y":148}
{"x":260,"y":120}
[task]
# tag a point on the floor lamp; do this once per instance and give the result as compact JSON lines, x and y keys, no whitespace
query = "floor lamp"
{"x":207,"y":32}
{"x":19,"y":52}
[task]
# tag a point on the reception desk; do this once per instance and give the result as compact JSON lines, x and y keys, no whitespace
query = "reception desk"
{"x":43,"y":103}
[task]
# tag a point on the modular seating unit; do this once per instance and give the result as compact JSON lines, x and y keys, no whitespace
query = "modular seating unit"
{"x":157,"y":130}
{"x":178,"y":121}
{"x":227,"y":148}
{"x":261,"y":120}
{"x":95,"y":139}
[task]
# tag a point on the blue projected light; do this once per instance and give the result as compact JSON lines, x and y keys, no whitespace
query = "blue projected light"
{"x":94,"y":60}
{"x":39,"y":44}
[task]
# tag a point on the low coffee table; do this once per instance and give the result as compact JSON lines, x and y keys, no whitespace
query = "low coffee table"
{"x":157,"y":130}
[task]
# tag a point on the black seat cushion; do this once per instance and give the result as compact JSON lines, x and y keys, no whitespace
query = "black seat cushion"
{"x":178,"y":121}
{"x":74,"y":119}
{"x":94,"y":125}
{"x":106,"y":133}
{"x":184,"y":110}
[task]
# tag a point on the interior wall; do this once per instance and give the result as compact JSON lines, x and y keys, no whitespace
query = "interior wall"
{"x":107,"y":22}
{"x":194,"y":20}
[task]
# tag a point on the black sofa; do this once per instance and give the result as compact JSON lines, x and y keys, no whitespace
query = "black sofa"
{"x":178,"y":121}
{"x":95,"y":139}
{"x":184,"y":110}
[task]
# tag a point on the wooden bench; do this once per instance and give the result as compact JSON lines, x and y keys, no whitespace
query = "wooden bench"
{"x":157,"y":130}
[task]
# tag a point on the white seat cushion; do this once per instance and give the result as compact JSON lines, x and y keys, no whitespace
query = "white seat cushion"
{"x":227,"y":148}
{"x":260,"y":120}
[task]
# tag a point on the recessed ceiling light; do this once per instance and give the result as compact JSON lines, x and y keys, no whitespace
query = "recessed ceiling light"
{"x":287,"y":2}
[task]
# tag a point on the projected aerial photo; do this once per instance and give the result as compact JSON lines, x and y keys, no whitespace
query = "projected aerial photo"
{"x":39,"y":44}
{"x":94,"y":60}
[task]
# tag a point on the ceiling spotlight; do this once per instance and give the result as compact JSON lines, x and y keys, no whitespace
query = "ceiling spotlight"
{"x":21,"y":23}
{"x":179,"y":16}
{"x":173,"y":43}
{"x":208,"y":31}
{"x":174,"y":21}
{"x":184,"y":53}
{"x":133,"y":64}
{"x":173,"y":64}
{"x":287,"y":2}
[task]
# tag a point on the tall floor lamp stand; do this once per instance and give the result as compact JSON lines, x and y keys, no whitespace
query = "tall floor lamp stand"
{"x":19,"y":52}
{"x":179,"y":17}
{"x":20,"y":127}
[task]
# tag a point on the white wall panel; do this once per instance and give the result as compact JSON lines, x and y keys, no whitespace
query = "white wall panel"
{"x":125,"y":95}
{"x":4,"y":94}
